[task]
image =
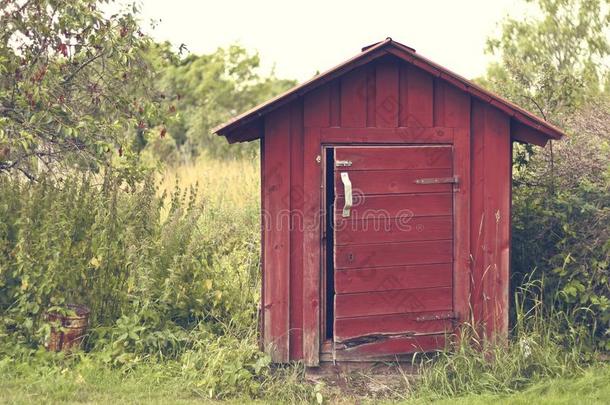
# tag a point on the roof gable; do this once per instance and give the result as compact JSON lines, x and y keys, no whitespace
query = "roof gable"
{"x":247,"y":126}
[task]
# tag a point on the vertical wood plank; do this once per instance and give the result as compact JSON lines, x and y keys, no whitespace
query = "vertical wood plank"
{"x":490,"y":208}
{"x":335,"y":103}
{"x":276,"y":194}
{"x":263,"y":225}
{"x":477,"y":213}
{"x":296,"y":230}
{"x":439,"y":102}
{"x":456,"y":113}
{"x":316,"y":107}
{"x":456,"y":107}
{"x":387,"y":94}
{"x":420,"y":98}
{"x":311,"y":246}
{"x":370,"y":96}
{"x":452,"y":109}
{"x":497,"y":230}
{"x":316,"y":115}
{"x":403,"y":95}
{"x":353,"y":99}
{"x":462,"y":270}
{"x":509,"y":260}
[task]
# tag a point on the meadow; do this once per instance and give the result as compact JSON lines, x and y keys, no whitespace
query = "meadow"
{"x":174,"y":294}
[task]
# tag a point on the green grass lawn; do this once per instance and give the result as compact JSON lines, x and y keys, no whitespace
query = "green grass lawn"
{"x":593,"y":387}
{"x":150,"y":385}
{"x":95,"y":386}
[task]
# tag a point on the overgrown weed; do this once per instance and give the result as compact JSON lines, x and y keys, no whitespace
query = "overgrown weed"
{"x":545,"y":343}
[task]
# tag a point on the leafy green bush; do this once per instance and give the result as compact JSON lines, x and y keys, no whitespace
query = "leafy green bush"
{"x":209,"y":89}
{"x":561,"y":218}
{"x":149,"y":282}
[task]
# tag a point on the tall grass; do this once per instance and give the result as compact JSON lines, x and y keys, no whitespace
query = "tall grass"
{"x":232,"y":185}
{"x":545,"y":343}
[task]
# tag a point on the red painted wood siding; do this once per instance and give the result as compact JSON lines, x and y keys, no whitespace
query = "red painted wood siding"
{"x":296,"y":230}
{"x":276,"y":243}
{"x":490,"y":215}
{"x":426,"y":343}
{"x":388,"y":102}
{"x":452,"y":108}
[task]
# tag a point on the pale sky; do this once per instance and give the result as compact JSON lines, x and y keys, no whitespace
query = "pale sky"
{"x":300,"y":38}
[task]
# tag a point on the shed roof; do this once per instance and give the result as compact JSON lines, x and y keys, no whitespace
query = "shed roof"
{"x":246,"y":126}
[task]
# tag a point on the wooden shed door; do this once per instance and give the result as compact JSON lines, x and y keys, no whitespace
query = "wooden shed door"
{"x":393,"y":249}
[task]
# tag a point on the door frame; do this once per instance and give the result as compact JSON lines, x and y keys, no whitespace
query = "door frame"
{"x":316,"y":141}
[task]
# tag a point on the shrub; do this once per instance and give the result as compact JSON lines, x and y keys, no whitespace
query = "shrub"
{"x":151,"y":272}
{"x":561,"y":218}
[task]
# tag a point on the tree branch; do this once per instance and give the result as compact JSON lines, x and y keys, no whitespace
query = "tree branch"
{"x":81,"y":67}
{"x":537,"y":106}
{"x":27,"y":174}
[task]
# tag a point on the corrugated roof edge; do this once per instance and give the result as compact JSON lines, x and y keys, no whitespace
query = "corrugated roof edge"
{"x":408,"y":54}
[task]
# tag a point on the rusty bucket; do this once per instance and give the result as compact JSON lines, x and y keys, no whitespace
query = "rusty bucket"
{"x":68,"y":331}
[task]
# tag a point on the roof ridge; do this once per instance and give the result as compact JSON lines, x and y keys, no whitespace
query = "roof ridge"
{"x":409,"y":55}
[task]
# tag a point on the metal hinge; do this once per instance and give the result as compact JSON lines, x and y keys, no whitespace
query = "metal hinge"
{"x":438,"y":180}
{"x":437,"y":317}
{"x":343,"y":163}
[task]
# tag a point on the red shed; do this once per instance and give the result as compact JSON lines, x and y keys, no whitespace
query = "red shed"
{"x":386,"y":203}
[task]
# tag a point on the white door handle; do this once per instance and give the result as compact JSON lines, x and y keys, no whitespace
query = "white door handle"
{"x":347,"y":188}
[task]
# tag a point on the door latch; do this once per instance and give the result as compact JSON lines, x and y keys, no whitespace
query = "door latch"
{"x":438,"y":180}
{"x":343,"y":163}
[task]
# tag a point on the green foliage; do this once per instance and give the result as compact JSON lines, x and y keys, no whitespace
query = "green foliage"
{"x":147,"y":281}
{"x":175,"y":285}
{"x":553,"y":62}
{"x":208,"y":90}
{"x":79,"y":88}
{"x":545,"y":343}
{"x":173,"y":280}
{"x":75,"y":87}
{"x":561,"y":218}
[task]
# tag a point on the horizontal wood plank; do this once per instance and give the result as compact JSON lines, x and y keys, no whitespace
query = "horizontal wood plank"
{"x":400,"y":135}
{"x":394,"y":181}
{"x":394,"y":346}
{"x":400,"y":324}
{"x":381,"y":230}
{"x":395,"y":157}
{"x":393,"y":254}
{"x":392,"y":302}
{"x":396,"y":206}
{"x":393,"y":278}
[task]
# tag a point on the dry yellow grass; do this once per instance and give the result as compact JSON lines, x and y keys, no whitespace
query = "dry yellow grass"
{"x":223,"y":184}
